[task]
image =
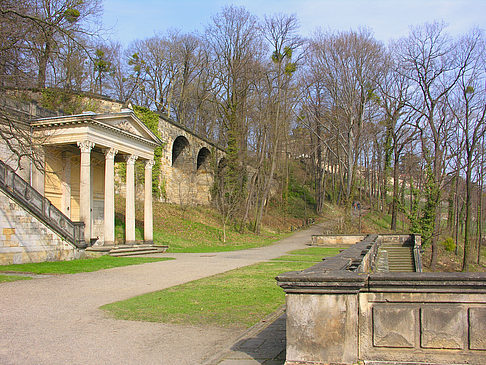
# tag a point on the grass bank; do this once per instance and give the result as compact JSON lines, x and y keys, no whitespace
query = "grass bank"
{"x":238,"y":298}
{"x":199,"y":229}
{"x":77,"y":266}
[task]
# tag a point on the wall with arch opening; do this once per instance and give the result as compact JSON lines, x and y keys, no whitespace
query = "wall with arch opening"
{"x":187,"y":165}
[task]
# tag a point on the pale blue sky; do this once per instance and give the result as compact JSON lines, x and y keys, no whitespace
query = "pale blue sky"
{"x":137,"y":19}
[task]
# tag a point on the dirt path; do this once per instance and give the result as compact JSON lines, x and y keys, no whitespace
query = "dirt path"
{"x":56,"y":320}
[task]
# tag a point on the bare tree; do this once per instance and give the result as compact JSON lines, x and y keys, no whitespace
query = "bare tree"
{"x":394,"y":96}
{"x":281,"y":32}
{"x":33,"y":29}
{"x":428,"y":58}
{"x":349,"y":64}
{"x":235,"y":49}
{"x":468,"y":105}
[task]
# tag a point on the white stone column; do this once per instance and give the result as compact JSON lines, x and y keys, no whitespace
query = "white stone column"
{"x":109,"y":207}
{"x":130,"y":200}
{"x":85,"y":187}
{"x":148,"y":226}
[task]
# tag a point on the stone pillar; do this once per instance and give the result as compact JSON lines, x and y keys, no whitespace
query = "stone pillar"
{"x":66,"y":184}
{"x":109,"y":208}
{"x":148,"y":226}
{"x":130,"y":200}
{"x":85,"y":187}
{"x":322,"y":328}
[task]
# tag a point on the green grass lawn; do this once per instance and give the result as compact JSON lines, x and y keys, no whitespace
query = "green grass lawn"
{"x":197,"y":229}
{"x":76,"y":266}
{"x":178,"y":243}
{"x":182,"y":233}
{"x":8,"y":278}
{"x":238,"y":298}
{"x":311,"y":254}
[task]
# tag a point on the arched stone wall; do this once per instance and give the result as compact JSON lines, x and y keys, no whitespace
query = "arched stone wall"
{"x":203,"y":160}
{"x":186,"y":168}
{"x":181,"y":153}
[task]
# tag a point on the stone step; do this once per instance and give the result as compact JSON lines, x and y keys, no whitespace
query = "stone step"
{"x":130,"y":248}
{"x":395,"y":258}
{"x":122,"y":247}
{"x":99,"y":248}
{"x":398,"y":249}
{"x":130,"y":251}
{"x":134,"y":253}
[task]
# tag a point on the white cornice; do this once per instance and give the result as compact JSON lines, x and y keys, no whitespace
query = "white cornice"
{"x":97,"y":120}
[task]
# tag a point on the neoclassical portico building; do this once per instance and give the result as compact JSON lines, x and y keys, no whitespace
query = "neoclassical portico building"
{"x":80,"y":153}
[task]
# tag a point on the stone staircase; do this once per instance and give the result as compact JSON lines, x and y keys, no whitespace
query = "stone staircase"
{"x":129,"y":250}
{"x":395,"y":258}
{"x":39,"y":206}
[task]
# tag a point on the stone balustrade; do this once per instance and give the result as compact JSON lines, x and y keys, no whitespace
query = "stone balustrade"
{"x":41,"y":207}
{"x":341,"y":311}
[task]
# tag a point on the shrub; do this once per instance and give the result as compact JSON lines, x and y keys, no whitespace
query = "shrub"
{"x":449,"y":244}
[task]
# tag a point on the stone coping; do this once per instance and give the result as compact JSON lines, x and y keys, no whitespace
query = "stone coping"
{"x":350,"y":272}
{"x":342,"y":282}
{"x":450,"y":282}
{"x":346,"y":260}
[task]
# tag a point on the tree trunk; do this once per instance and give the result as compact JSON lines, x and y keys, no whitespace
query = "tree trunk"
{"x":394,"y":209}
{"x":44,"y":58}
{"x":349,"y":177}
{"x":480,"y":205}
{"x":456,"y":212}
{"x":467,"y":258}
{"x":480,"y":223}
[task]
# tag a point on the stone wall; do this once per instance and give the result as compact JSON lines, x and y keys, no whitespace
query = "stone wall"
{"x":345,"y":239}
{"x":423,"y":325}
{"x":336,"y":239}
{"x":341,"y":312}
{"x":187,"y":164}
{"x":11,"y":160}
{"x":23,"y":238}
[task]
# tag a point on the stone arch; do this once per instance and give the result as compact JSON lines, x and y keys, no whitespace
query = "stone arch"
{"x":222,"y":163}
{"x":179,"y":147}
{"x":203,"y":158}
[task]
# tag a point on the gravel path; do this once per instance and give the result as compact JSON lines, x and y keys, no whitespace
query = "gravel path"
{"x":56,"y":320}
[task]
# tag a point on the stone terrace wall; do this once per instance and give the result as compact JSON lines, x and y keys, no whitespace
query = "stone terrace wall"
{"x":188,"y":180}
{"x":336,"y":239}
{"x":344,"y":239}
{"x":426,"y":317}
{"x":340,"y":312}
{"x":23,"y":238}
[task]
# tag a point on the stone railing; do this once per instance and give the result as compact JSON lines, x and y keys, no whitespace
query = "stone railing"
{"x":340,"y":311}
{"x":41,"y":207}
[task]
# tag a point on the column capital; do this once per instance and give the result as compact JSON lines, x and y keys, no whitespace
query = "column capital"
{"x":149,"y":164}
{"x":131,"y":159}
{"x":86,"y":146}
{"x":110,"y":153}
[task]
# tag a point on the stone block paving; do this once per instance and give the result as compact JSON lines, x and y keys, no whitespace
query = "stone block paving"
{"x":262,"y":344}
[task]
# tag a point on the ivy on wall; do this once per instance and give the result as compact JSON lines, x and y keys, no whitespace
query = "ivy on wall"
{"x":151,"y":120}
{"x":67,"y":101}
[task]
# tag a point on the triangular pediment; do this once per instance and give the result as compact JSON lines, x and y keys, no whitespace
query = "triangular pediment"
{"x":127,"y":124}
{"x":124,"y":122}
